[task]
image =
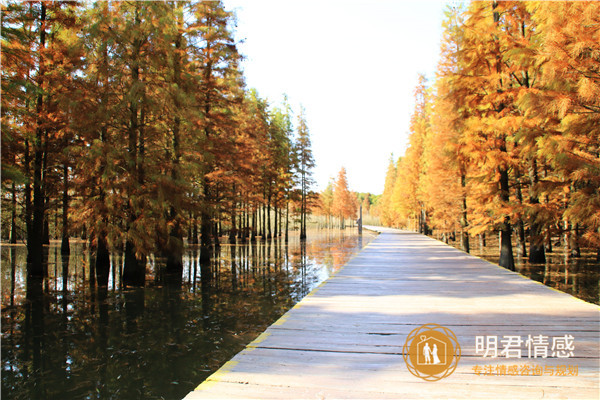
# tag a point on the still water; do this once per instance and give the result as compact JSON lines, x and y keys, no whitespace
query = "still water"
{"x":578,"y":276}
{"x":63,"y":338}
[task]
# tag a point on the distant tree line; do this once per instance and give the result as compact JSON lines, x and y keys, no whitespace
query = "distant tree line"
{"x":507,"y":138}
{"x":338,"y":204}
{"x":129,"y":123}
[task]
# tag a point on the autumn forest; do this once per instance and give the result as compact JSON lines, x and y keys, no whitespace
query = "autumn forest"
{"x":158,"y":213}
{"x":507,"y":137}
{"x":129,"y":124}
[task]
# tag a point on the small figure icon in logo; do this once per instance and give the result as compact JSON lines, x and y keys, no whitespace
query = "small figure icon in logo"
{"x":431,"y":352}
{"x":428,"y":355}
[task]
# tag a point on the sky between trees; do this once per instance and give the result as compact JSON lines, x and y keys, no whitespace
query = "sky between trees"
{"x":352,"y":65}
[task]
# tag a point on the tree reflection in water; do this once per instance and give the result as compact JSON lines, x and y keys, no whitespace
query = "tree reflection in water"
{"x":65,"y":337}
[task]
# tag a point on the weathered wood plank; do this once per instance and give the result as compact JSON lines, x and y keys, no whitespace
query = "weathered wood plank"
{"x":345,"y":339}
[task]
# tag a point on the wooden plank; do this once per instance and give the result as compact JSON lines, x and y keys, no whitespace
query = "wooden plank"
{"x":345,"y":339}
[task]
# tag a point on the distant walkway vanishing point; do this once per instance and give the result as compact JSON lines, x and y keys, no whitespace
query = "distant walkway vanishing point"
{"x":345,"y":339}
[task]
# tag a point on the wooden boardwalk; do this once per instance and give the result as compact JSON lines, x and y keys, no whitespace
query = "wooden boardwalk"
{"x":345,"y":339}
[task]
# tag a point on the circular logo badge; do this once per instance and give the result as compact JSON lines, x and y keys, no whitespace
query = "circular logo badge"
{"x":431,"y":352}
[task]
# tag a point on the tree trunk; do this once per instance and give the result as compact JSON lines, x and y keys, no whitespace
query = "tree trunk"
{"x":575,"y":249}
{"x":287,"y":220}
{"x":303,"y":209}
{"x":217,"y":230}
{"x":258,"y":224}
{"x":464,"y":222}
{"x":35,"y":245}
{"x":567,"y":239}
{"x":425,"y":227}
{"x":276,"y":222}
{"x":280,"y":221}
{"x":548,"y":242}
{"x":232,"y":231}
{"x":64,"y":247}
{"x":13,"y":214}
{"x":521,"y":242}
{"x":174,"y":245}
{"x":28,"y":194}
{"x":46,"y":239}
{"x":506,"y":252}
{"x":134,"y":271}
{"x":269,"y":235}
{"x":195,"y":232}
{"x":205,"y":228}
{"x":482,"y":242}
{"x":264,"y":223}
{"x":253,"y":228}
{"x":537,"y":252}
{"x":102,"y":260}
{"x":248,"y":231}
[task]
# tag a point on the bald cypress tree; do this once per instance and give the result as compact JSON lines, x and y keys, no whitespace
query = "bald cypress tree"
{"x":344,"y":201}
{"x":305,"y":164}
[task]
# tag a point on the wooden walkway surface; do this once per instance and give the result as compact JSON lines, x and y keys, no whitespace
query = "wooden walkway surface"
{"x":344,"y":340}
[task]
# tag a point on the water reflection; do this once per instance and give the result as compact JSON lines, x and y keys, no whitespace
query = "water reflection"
{"x":578,"y":276}
{"x":65,"y":337}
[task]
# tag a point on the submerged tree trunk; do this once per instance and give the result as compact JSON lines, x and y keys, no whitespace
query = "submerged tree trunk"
{"x":264,"y":223}
{"x":174,"y":245}
{"x":13,"y":214}
{"x":232,"y":231}
{"x":424,"y":220}
{"x":134,"y":268}
{"x":506,"y":252}
{"x":102,"y":260}
{"x":464,"y":221}
{"x":28,"y":199}
{"x":280,"y":221}
{"x":195,"y":232}
{"x":205,"y":234}
{"x":269,"y":235}
{"x":522,"y":244}
{"x":287,"y":220}
{"x":276,"y":222}
{"x":35,"y":238}
{"x":566,"y":239}
{"x":253,"y":227}
{"x":303,"y":209}
{"x":548,"y":242}
{"x":537,"y":253}
{"x":134,"y":271}
{"x":521,"y":241}
{"x":46,"y":238}
{"x":575,"y":249}
{"x":64,"y":247}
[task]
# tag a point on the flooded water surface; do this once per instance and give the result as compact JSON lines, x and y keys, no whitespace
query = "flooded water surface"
{"x":578,"y":276}
{"x":64,"y":338}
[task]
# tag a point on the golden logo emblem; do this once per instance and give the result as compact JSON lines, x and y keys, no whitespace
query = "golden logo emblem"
{"x":431,"y":352}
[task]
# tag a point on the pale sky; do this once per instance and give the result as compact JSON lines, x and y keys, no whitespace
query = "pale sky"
{"x":353,"y":66}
